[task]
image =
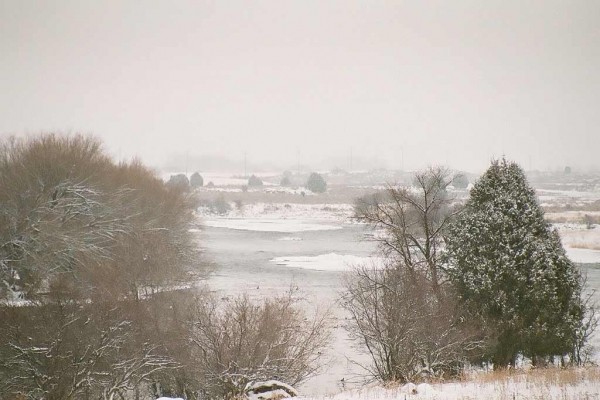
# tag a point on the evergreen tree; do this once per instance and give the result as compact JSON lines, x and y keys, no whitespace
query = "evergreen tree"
{"x":510,"y":269}
{"x":316,"y":183}
{"x":460,"y":181}
{"x":196,"y":180}
{"x":179,"y":181}
{"x":254,"y":181}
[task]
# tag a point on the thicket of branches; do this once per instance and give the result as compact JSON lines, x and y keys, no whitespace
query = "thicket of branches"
{"x":92,"y":257}
{"x":100,"y":350}
{"x":75,"y":224}
{"x":405,"y":311}
{"x":244,"y":341}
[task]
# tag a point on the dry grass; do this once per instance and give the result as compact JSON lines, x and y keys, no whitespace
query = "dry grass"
{"x":585,"y":245}
{"x":581,"y":238}
{"x":578,"y":217}
{"x":533,"y":384}
{"x":541,"y":376}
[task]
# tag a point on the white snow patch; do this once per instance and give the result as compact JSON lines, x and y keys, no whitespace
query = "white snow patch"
{"x":270,"y":225}
{"x":330,"y":262}
{"x":513,"y":388}
{"x":583,"y":256}
{"x":321,"y":211}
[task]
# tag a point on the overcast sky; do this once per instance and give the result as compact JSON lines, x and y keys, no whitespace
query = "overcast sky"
{"x":402,"y":83}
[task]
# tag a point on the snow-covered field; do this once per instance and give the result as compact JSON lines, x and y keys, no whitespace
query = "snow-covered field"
{"x":580,"y":237}
{"x":294,"y":211}
{"x":287,"y":218}
{"x":326,"y":262}
{"x":269,"y":225}
{"x":553,"y":384}
{"x":566,"y":197}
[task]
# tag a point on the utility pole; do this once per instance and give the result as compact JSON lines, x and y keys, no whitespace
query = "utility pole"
{"x":350,"y":159}
{"x":245,"y":166}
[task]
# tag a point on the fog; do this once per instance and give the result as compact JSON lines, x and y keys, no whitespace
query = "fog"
{"x":350,"y":84}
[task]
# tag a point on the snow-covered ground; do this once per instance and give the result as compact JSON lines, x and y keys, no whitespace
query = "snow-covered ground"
{"x":287,"y":218}
{"x":578,"y":236}
{"x":563,"y":197}
{"x":544,"y":384}
{"x":583,"y":256}
{"x":269,"y":225}
{"x":335,"y":212}
{"x":326,"y":262}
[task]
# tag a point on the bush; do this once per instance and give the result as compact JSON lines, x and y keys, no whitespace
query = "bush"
{"x":285,"y":181}
{"x":239,"y":204}
{"x":220,"y":205}
{"x":460,"y":181}
{"x":242,"y":341}
{"x":179,"y":181}
{"x":78,"y":351}
{"x":316,"y":183}
{"x":410,"y":331}
{"x":254,"y":181}
{"x":196,"y":180}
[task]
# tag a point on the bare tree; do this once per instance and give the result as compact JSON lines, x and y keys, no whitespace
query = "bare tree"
{"x":66,"y":351}
{"x":72,"y":219}
{"x":407,"y":330}
{"x":413,"y":219}
{"x":404,"y":312}
{"x":242,"y":341}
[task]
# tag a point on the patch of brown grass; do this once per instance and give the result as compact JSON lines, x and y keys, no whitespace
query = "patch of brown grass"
{"x":540,"y":376}
{"x":585,"y":245}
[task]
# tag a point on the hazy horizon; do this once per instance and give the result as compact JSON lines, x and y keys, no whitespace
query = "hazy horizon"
{"x":399,"y":85}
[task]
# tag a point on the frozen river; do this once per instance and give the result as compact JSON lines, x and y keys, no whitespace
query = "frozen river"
{"x":308,"y":258}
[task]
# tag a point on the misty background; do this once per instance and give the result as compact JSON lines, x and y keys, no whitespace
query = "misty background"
{"x":395,"y":84}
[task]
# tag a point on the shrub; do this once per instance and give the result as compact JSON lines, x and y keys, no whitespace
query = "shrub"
{"x":179,"y":181}
{"x":460,"y":181}
{"x":254,"y":181}
{"x":239,"y":205}
{"x":410,"y":331}
{"x":221,"y":206}
{"x":196,"y":180}
{"x":285,"y":181}
{"x":242,"y":341}
{"x":316,"y":183}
